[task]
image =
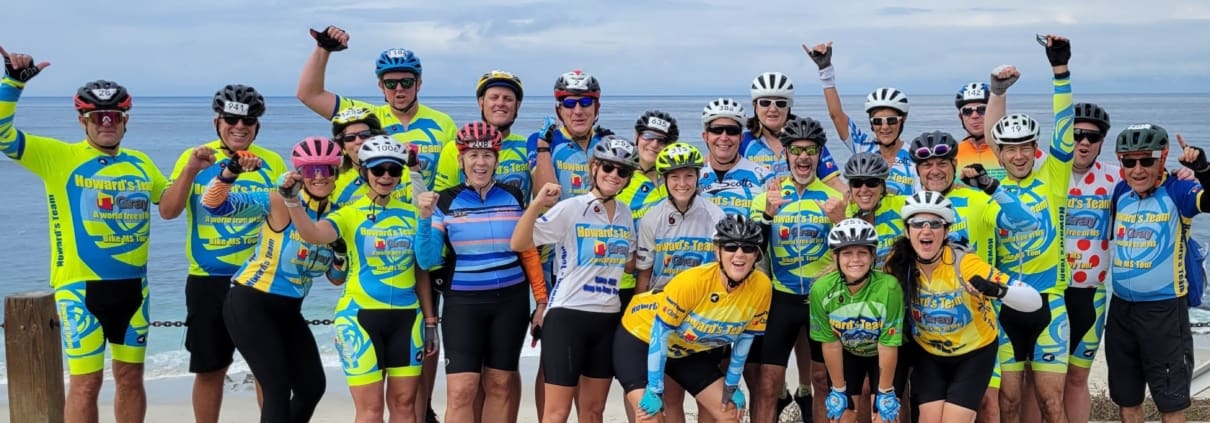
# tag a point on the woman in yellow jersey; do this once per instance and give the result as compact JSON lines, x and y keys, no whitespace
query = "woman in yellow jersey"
{"x":949,"y":296}
{"x":377,"y":318}
{"x":684,"y":331}
{"x":350,"y":128}
{"x":867,"y":174}
{"x":652,"y":132}
{"x":264,"y":313}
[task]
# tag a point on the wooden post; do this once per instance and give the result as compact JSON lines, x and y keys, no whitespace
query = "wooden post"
{"x":34,"y":358}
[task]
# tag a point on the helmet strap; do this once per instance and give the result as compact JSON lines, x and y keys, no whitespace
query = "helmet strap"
{"x":860,"y":280}
{"x":932,"y":260}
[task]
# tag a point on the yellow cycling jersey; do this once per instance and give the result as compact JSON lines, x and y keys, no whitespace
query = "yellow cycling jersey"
{"x":429,"y":130}
{"x":946,"y":318}
{"x":350,"y":188}
{"x":799,"y":232}
{"x":381,"y":256}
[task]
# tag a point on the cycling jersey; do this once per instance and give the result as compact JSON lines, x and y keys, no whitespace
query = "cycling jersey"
{"x":381,"y":255}
{"x":590,"y":251}
{"x":758,"y":151}
{"x":1037,"y":257}
{"x":887,"y":223}
{"x":798,"y":235}
{"x":220,"y":245}
{"x":903,"y":179}
{"x":1087,"y":226}
{"x":570,"y":161}
{"x":671,"y":242}
{"x":982,"y":222}
{"x":512,"y":166}
{"x":98,"y":205}
{"x":477,"y":230}
{"x":969,"y":154}
{"x":429,"y":130}
{"x":861,"y":321}
{"x":350,"y":188}
{"x":947,"y":319}
{"x":1151,"y":236}
{"x":735,"y":190}
{"x":640,"y":195}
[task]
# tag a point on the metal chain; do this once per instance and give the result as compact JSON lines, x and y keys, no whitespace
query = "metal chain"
{"x":179,"y":323}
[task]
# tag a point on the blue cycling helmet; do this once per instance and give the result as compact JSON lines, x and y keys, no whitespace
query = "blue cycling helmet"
{"x":397,"y":60}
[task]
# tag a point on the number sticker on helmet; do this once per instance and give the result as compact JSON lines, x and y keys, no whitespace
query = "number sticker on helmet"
{"x":1138,"y":126}
{"x":397,"y":53}
{"x":235,"y":108}
{"x":104,"y":94}
{"x":658,"y":124}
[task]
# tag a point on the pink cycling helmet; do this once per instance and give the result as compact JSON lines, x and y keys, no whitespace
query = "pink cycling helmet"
{"x":316,"y":151}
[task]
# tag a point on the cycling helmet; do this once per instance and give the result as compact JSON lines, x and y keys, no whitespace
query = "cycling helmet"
{"x":867,"y":165}
{"x":102,"y":95}
{"x":655,"y":120}
{"x":1142,"y":137}
{"x":615,"y":149}
{"x":975,"y":92}
{"x":802,"y":128}
{"x":773,"y":84}
{"x":397,"y":60}
{"x":239,"y":100}
{"x":316,"y":151}
{"x":931,"y":202}
{"x":1017,"y":128}
{"x":679,"y":156}
{"x":851,"y":232}
{"x":723,"y":108}
{"x":353,"y":115}
{"x":737,"y":228}
{"x":577,"y":82}
{"x":478,"y":135}
{"x":381,"y":148}
{"x":498,"y":78}
{"x":887,"y":97}
{"x":934,"y":144}
{"x":1094,"y":114}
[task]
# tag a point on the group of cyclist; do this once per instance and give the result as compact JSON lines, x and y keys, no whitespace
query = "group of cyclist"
{"x":969,"y":273}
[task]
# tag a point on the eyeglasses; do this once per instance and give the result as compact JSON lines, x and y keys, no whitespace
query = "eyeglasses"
{"x":1093,"y":137}
{"x":1131,"y":163}
{"x":809,"y":150}
{"x":865,"y":182}
{"x":968,"y":111}
{"x":391,"y":84}
{"x":939,"y":150}
{"x":232,"y":120}
{"x":732,"y":247}
{"x":653,"y":136}
{"x":105,"y":117}
{"x":570,"y":103}
{"x":889,"y":120}
{"x":728,"y":129}
{"x":623,"y":171}
{"x":317,"y":171}
{"x":394,"y":171}
{"x":780,"y":103}
{"x":365,"y":135}
{"x":922,"y":223}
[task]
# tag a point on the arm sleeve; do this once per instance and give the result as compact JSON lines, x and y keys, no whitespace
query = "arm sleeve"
{"x":1062,"y":142}
{"x":430,"y":242}
{"x":657,"y":355}
{"x":739,"y":356}
{"x":531,"y":261}
{"x":218,"y":200}
{"x":859,"y":141}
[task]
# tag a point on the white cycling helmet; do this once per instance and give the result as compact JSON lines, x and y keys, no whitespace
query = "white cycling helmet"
{"x":931,"y":202}
{"x":1016,"y":128}
{"x":773,"y":84}
{"x":852,"y":232}
{"x":887,"y":97}
{"x":380,"y":148}
{"x":723,"y":108}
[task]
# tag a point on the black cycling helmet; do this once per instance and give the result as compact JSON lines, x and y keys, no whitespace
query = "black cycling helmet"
{"x":867,"y":165}
{"x":802,"y":128}
{"x":737,"y":228}
{"x":1142,"y":137}
{"x":102,"y":95}
{"x":1094,"y":114}
{"x":239,"y":100}
{"x":934,"y":144}
{"x":655,"y":120}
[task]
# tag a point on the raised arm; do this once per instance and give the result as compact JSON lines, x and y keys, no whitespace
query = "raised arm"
{"x":1063,"y":143}
{"x":541,"y":161}
{"x":321,"y":232}
{"x":1002,"y":77}
{"x":430,"y":238}
{"x":523,"y":234}
{"x":821,"y":54}
{"x":173,"y":201}
{"x":311,"y":90}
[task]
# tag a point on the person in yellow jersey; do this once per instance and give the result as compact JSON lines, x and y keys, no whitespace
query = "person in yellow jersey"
{"x":950,"y":316}
{"x":386,"y":297}
{"x":654,"y":131}
{"x":99,"y":197}
{"x":263,"y":309}
{"x":685,"y":330}
{"x":350,"y":128}
{"x":218,"y":245}
{"x":866,"y":173}
{"x":499,"y":94}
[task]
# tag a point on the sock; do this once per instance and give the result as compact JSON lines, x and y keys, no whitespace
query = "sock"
{"x":785,"y":393}
{"x":803,"y":391}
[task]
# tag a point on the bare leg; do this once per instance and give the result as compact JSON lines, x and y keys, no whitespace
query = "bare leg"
{"x":81,"y":405}
{"x":130,"y":399}
{"x":208,"y":395}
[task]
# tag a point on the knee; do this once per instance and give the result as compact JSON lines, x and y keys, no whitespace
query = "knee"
{"x":499,"y":385}
{"x":128,"y":376}
{"x":1009,"y":399}
{"x":88,"y":385}
{"x":819,"y":375}
{"x":314,"y":389}
{"x":1077,"y":378}
{"x":771,"y":384}
{"x":462,"y":395}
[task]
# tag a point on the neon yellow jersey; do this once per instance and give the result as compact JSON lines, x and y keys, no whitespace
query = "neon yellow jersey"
{"x":975,"y":220}
{"x":381,"y":259}
{"x":799,"y":235}
{"x":701,"y":312}
{"x":512,"y":165}
{"x":641,"y":194}
{"x":98,"y":206}
{"x":218,"y":246}
{"x":350,"y":188}
{"x":1037,"y":257}
{"x":429,"y":130}
{"x":887,"y":223}
{"x":947,"y":319}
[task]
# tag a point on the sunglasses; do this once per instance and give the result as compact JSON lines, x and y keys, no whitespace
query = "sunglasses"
{"x":809,"y":150}
{"x":1131,"y":163}
{"x":394,"y":171}
{"x":865,"y":182}
{"x":968,"y":111}
{"x":1093,"y":137}
{"x":316,"y":171}
{"x":931,"y":223}
{"x":406,"y":83}
{"x":365,"y":135}
{"x":653,"y":136}
{"x":728,"y":129}
{"x":925,"y":153}
{"x":889,"y":120}
{"x":766,"y":102}
{"x":732,"y":247}
{"x":570,"y":103}
{"x":232,"y":120}
{"x":105,"y":117}
{"x":623,"y":171}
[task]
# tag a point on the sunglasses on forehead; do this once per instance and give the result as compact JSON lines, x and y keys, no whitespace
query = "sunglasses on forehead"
{"x":570,"y":103}
{"x":969,"y":111}
{"x":653,"y":136}
{"x":623,"y":171}
{"x":232,"y":120}
{"x":1093,"y":137}
{"x":406,"y":83}
{"x":925,"y":153}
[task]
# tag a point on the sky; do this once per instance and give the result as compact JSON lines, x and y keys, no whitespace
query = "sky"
{"x":685,"y":47}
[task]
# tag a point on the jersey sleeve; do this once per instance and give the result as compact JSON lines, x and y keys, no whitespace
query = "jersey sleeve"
{"x":343,"y":103}
{"x":448,"y":173}
{"x":218,"y":200}
{"x":645,"y":253}
{"x":38,"y":154}
{"x":826,"y":169}
{"x":680,"y":296}
{"x":859,"y":141}
{"x":338,"y":218}
{"x":1062,"y":142}
{"x":972,"y":265}
{"x":553,"y":225}
{"x":158,"y":182}
{"x":1185,"y":194}
{"x":892,"y":321}
{"x":760,"y":320}
{"x":179,"y":166}
{"x":1007,"y":212}
{"x":821,"y":326}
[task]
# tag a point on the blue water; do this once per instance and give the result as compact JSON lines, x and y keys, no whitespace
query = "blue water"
{"x":164,"y":127}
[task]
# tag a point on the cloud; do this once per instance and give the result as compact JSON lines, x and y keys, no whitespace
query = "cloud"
{"x":901,"y":11}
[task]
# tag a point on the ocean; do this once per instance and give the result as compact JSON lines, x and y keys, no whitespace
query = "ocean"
{"x":164,"y":127}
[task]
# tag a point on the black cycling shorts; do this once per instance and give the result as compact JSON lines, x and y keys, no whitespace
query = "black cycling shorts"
{"x":577,"y":343}
{"x":1149,"y":343}
{"x":789,"y":315}
{"x":694,"y":372}
{"x":860,"y":370}
{"x":206,"y":337}
{"x":960,"y":380}
{"x":485,"y":330}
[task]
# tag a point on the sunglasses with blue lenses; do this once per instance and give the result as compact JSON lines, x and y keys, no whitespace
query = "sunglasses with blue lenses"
{"x":570,"y":103}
